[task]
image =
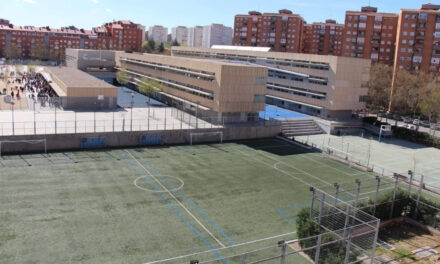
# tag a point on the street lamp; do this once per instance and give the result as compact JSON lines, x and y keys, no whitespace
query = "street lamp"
{"x":13,"y":126}
{"x":35,"y":121}
{"x":131,"y":112}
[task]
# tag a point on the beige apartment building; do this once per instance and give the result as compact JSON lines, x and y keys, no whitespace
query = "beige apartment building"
{"x":223,"y":90}
{"x":327,"y":86}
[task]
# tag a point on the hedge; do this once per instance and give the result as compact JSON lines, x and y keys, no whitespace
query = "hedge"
{"x":416,"y":137}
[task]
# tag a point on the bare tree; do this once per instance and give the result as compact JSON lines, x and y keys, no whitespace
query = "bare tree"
{"x":379,"y":86}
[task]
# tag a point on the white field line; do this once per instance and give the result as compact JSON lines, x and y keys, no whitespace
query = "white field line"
{"x":346,"y":173}
{"x":274,"y":167}
{"x":293,"y":167}
{"x":219,"y":249}
{"x":165,"y":189}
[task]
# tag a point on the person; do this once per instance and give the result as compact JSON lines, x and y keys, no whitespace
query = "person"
{"x":12,"y":93}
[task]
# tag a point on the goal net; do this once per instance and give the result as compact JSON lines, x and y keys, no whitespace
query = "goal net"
{"x":24,"y":145}
{"x":326,"y":149}
{"x":198,"y":137}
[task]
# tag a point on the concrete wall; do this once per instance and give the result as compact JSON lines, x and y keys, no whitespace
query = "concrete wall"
{"x":130,"y":139}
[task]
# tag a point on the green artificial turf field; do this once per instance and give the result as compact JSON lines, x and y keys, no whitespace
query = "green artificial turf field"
{"x":141,"y":205}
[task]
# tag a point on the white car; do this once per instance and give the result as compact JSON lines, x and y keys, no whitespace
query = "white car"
{"x":416,"y":122}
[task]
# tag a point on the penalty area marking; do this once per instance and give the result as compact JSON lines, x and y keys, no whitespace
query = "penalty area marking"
{"x":182,"y":183}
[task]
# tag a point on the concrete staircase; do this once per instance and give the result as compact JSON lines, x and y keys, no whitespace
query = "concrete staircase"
{"x":299,"y":127}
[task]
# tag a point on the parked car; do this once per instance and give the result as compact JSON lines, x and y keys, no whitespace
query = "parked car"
{"x":416,"y":122}
{"x":411,"y":127}
{"x":425,"y":123}
{"x":406,"y":120}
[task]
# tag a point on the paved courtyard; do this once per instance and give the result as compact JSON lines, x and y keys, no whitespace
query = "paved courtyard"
{"x":388,"y":156}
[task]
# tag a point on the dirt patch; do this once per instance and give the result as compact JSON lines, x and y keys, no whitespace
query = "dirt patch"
{"x":408,"y":240}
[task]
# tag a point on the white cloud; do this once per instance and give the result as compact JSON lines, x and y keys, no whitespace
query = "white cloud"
{"x":95,"y":1}
{"x":108,"y":10}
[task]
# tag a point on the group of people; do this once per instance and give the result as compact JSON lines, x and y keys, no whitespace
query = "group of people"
{"x":33,"y":85}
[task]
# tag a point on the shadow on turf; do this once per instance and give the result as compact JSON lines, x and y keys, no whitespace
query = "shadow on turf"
{"x":278,"y":147}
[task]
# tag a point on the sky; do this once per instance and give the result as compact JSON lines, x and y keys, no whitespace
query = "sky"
{"x":91,"y":13}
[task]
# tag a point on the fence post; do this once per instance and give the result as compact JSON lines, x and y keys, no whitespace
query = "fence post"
{"x":313,"y":201}
{"x":321,"y":207}
{"x":394,"y":196}
{"x":282,"y":244}
{"x":376,"y":235}
{"x":243,"y":259}
{"x":411,"y":175}
{"x":347,"y":251}
{"x":336,"y":193}
{"x":358,"y":190}
{"x":347,"y":219}
{"x":376,"y":195}
{"x":318,"y":249}
{"x":418,"y":196}
{"x":75,"y":122}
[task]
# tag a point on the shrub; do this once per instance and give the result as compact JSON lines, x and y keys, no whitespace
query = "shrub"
{"x":416,"y":137}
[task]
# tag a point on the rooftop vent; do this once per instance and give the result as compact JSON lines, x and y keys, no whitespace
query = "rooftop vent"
{"x":285,"y":11}
{"x":430,"y":6}
{"x":254,"y":13}
{"x":369,"y":9}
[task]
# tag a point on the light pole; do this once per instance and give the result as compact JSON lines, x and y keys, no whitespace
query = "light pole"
{"x":13,"y":125}
{"x":148,"y":117}
{"x":35,"y":121}
{"x":131,"y":112}
{"x":55,"y":117}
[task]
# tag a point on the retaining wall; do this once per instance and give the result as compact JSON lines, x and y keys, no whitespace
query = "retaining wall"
{"x":61,"y":142}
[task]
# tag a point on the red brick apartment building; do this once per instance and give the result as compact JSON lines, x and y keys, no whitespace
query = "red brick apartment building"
{"x":323,"y":38}
{"x":49,"y":43}
{"x":370,"y":35}
{"x":281,"y":31}
{"x":418,"y":39}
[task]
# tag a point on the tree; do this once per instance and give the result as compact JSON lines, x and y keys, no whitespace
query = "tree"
{"x":122,"y":77}
{"x":380,"y":86}
{"x":149,"y":87}
{"x":152,"y":44}
{"x":175,"y":43}
{"x":38,"y":51}
{"x":430,"y":106}
{"x":161,"y":48}
{"x":145,"y":47}
{"x":410,"y":88}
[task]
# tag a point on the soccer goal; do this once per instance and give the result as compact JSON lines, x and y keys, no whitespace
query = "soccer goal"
{"x":326,"y":149}
{"x":206,"y":137}
{"x":24,"y":145}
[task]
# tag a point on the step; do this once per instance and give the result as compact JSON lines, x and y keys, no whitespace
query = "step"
{"x":302,"y":133}
{"x":305,"y":129}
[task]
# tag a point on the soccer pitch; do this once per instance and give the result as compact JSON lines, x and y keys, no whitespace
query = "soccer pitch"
{"x":142,"y":205}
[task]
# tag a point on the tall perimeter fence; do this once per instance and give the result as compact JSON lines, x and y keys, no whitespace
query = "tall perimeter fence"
{"x":45,"y":116}
{"x":390,"y":194}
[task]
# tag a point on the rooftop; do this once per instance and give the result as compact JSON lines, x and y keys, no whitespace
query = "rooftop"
{"x":74,"y":78}
{"x":226,"y":47}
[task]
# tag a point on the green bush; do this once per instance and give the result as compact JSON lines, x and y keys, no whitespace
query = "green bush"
{"x":307,"y":227}
{"x":416,"y":137}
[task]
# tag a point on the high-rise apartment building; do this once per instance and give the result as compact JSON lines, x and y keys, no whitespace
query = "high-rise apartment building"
{"x":158,"y":34}
{"x":49,"y":43}
{"x":195,"y":36}
{"x":216,"y":34}
{"x":180,"y":34}
{"x":323,"y":38}
{"x":418,"y":39}
{"x":370,"y":35}
{"x":281,"y":31}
